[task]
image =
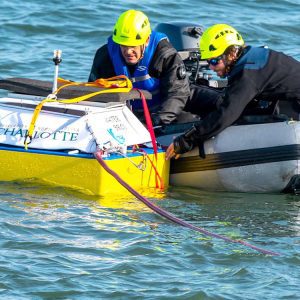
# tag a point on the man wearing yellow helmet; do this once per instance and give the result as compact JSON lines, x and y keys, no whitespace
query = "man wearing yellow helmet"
{"x":149,"y":60}
{"x":254,"y":73}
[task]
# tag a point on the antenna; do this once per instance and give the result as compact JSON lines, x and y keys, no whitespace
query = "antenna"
{"x":57,"y":60}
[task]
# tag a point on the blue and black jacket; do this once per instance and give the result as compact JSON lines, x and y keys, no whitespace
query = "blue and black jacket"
{"x":162,"y":64}
{"x":259,"y":74}
{"x":140,"y":77}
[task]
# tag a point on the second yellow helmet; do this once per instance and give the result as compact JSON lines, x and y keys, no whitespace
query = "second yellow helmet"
{"x":217,"y":38}
{"x":132,"y":28}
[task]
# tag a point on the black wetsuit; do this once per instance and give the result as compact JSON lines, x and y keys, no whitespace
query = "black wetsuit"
{"x":259,"y":73}
{"x":167,"y":66}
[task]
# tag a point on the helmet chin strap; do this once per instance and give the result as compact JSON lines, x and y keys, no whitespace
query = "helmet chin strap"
{"x":229,"y":63}
{"x":143,"y":48}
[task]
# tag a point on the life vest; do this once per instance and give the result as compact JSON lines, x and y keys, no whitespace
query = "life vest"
{"x":141,"y":78}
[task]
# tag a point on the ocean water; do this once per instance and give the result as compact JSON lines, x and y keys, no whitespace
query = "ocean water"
{"x":57,"y":244}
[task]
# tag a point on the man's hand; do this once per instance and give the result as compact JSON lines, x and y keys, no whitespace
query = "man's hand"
{"x":170,"y":153}
{"x":182,"y":144}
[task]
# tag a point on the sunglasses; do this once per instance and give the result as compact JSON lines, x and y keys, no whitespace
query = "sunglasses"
{"x":214,"y":61}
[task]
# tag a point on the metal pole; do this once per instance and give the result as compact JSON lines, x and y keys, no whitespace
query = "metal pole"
{"x":57,"y":60}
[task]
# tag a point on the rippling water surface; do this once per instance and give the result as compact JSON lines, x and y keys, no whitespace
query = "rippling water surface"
{"x":57,"y":244}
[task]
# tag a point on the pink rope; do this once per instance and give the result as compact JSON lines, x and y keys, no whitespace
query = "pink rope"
{"x":171,"y":217}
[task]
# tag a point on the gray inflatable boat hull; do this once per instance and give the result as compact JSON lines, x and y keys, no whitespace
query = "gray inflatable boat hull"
{"x":244,"y":158}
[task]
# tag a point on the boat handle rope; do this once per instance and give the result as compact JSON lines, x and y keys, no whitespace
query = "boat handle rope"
{"x":148,"y":121}
{"x":141,"y":166}
{"x":158,"y":179}
{"x":171,"y":217}
{"x":159,"y":182}
{"x":115,"y":84}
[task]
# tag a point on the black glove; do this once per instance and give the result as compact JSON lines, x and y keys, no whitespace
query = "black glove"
{"x":185,"y":142}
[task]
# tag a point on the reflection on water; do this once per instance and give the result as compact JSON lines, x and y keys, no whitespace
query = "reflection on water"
{"x":234,"y":214}
{"x":257,"y":212}
{"x":67,"y":238}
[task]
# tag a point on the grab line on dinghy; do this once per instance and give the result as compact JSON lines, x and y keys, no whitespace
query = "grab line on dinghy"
{"x":169,"y":216}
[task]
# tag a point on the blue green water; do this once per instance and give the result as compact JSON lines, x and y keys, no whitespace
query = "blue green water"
{"x":57,"y":244}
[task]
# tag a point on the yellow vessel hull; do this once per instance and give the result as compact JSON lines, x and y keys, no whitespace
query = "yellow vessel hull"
{"x":82,"y":172}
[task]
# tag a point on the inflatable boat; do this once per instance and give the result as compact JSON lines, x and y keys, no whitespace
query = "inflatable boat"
{"x":259,"y":153}
{"x":243,"y":158}
{"x":253,"y":157}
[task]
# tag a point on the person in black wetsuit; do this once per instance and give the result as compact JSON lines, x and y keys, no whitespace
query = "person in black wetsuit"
{"x":253,"y":73}
{"x":149,"y":60}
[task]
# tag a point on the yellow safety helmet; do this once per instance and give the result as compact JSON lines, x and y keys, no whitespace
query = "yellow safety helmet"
{"x":217,"y":38}
{"x":132,"y":28}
